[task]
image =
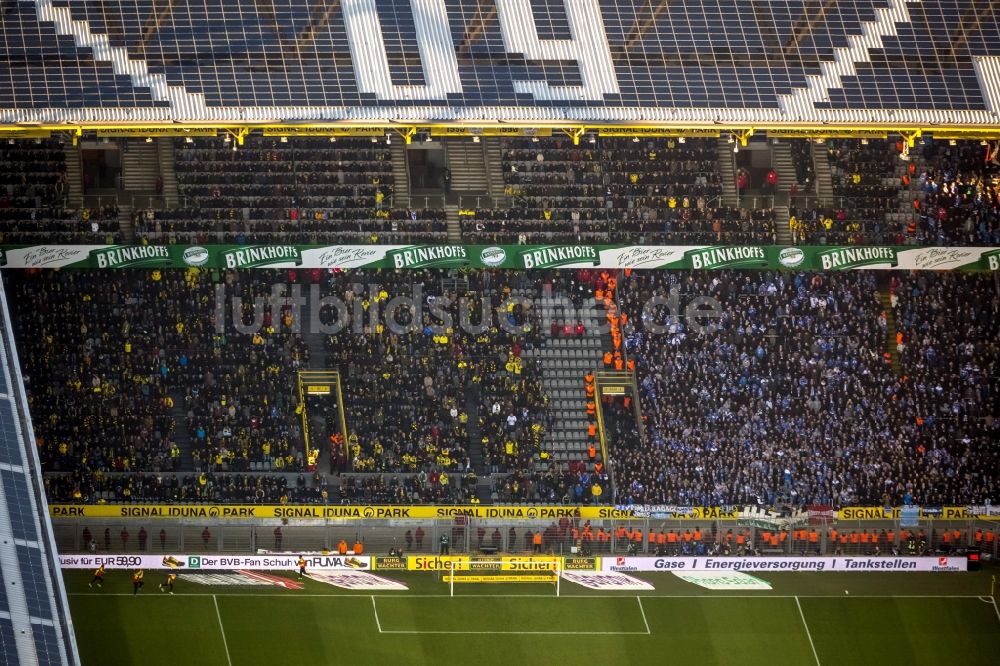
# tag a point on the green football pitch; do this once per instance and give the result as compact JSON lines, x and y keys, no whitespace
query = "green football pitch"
{"x":806,"y":619}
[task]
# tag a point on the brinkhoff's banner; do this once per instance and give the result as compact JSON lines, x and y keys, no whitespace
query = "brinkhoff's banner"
{"x":855,"y":564}
{"x":517,"y":257}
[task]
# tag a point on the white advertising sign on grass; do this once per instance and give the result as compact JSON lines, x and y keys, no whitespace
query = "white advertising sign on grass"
{"x":357,"y":580}
{"x":733,"y":580}
{"x":609,"y":580}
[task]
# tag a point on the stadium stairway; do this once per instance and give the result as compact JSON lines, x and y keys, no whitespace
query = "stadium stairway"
{"x":900,"y":218}
{"x":781,"y":161}
{"x":494,"y":170}
{"x":140,"y":166}
{"x":316,"y":342}
{"x":454,"y":224}
{"x":821,"y":171}
{"x":564,"y":363}
{"x":885,"y":297}
{"x":467,"y":162}
{"x":166,"y":157}
{"x":727,"y":170}
{"x":125,"y":221}
{"x":74,"y":178}
{"x":781,"y":214}
{"x":180,"y":436}
{"x":400,"y":176}
{"x":475,"y":444}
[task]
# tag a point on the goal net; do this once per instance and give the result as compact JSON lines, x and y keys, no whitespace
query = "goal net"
{"x":507,"y":570}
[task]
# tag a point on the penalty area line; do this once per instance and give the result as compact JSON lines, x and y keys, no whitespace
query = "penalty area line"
{"x":643,"y":611}
{"x":377,"y":622}
{"x":222,"y":629}
{"x":808,"y":633}
{"x":517,"y":633}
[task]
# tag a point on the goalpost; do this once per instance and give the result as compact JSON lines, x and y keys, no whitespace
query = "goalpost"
{"x":504,"y":571}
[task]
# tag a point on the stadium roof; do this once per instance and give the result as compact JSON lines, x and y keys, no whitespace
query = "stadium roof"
{"x":34,"y":615}
{"x":763,"y":63}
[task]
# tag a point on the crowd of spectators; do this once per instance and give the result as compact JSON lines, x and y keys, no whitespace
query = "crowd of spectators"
{"x":869,"y":207}
{"x":414,"y":396}
{"x":434,"y":487}
{"x":310,"y":190}
{"x":556,"y":192}
{"x":653,"y":190}
{"x":33,"y":188}
{"x":239,"y":390}
{"x":944,"y":193}
{"x":304,"y":190}
{"x":949,"y":346}
{"x":958,"y":197}
{"x":123,"y":366}
{"x":172,"y":488}
{"x":788,"y":394}
{"x":94,"y":350}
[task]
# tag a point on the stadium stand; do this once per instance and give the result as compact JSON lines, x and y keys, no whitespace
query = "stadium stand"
{"x":942,"y":194}
{"x":556,"y":192}
{"x":307,"y":190}
{"x":658,"y":190}
{"x":32,"y":191}
{"x":199,"y":413}
{"x":199,"y":410}
{"x":849,"y":394}
{"x":653,"y":190}
{"x":958,"y":193}
{"x":947,"y":345}
{"x":793,"y":360}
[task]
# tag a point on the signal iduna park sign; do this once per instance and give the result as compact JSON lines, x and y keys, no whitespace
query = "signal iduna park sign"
{"x":515,"y":257}
{"x":520,"y":512}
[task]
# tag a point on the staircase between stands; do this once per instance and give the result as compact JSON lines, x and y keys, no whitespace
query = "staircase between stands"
{"x":564,"y":362}
{"x":74,"y":178}
{"x":400,"y":175}
{"x":470,"y":182}
{"x":822,"y":174}
{"x":727,"y":171}
{"x":166,"y":158}
{"x":782,"y":163}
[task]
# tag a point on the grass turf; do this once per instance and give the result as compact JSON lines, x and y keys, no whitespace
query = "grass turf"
{"x":890,"y":618}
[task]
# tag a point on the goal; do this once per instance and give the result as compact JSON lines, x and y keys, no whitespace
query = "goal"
{"x":506,"y":570}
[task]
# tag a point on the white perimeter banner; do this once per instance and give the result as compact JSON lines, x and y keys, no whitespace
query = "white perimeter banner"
{"x":904,"y":564}
{"x":228,"y":562}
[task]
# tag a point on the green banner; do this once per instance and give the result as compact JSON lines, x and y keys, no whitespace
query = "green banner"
{"x":516,"y":257}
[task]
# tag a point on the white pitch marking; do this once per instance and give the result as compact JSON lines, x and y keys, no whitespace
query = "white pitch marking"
{"x":808,"y":633}
{"x":377,"y":622}
{"x":225,"y":644}
{"x":643,"y":611}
